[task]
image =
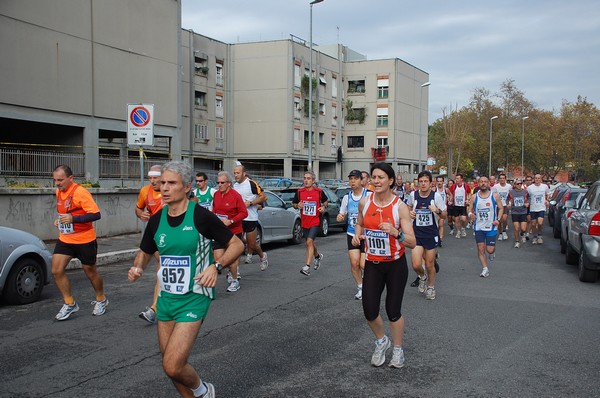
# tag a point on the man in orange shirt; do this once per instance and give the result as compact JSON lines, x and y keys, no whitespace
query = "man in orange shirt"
{"x":77,"y":211}
{"x":150,"y":202}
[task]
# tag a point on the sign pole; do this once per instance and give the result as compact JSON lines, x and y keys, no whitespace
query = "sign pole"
{"x":141,"y":167}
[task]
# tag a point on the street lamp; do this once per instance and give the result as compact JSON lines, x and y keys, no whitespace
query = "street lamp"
{"x":490,"y":161}
{"x":523,"y":144}
{"x":421,"y":125}
{"x":310,"y":94}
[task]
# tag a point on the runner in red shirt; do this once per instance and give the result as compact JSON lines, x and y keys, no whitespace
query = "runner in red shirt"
{"x":312,"y":202}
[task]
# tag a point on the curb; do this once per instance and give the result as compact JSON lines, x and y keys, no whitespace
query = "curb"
{"x":107,"y":258}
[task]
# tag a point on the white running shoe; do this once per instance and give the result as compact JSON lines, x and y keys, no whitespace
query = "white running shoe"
{"x":317,"y":261}
{"x":523,"y":239}
{"x":229,"y":277}
{"x":378,"y":357}
{"x":397,"y":360}
{"x":458,"y":235}
{"x":430,"y":293}
{"x":358,"y":294}
{"x":463,"y":233}
{"x":485,"y":273}
{"x":66,"y":311}
{"x":540,"y":240}
{"x":248,"y":259}
{"x":517,"y":245}
{"x":505,"y":235}
{"x":534,"y":241}
{"x":422,"y":284}
{"x":500,"y":237}
{"x":264,"y":263}
{"x":234,"y":286}
{"x":99,"y":306}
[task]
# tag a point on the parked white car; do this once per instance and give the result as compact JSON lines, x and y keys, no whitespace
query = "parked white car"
{"x":25,"y":266}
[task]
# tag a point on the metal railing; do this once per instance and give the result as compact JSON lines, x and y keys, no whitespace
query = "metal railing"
{"x":15,"y":162}
{"x":32,"y":163}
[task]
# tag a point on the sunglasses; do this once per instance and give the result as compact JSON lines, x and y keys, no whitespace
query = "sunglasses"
{"x":222,"y":182}
{"x":199,"y":180}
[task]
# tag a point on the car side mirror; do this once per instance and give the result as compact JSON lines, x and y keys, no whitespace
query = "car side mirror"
{"x":570,"y":203}
{"x":553,"y":203}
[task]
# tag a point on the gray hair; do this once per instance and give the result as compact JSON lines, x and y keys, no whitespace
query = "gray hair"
{"x":155,"y":167}
{"x":179,"y":167}
{"x":226,"y":174}
{"x":313,"y":175}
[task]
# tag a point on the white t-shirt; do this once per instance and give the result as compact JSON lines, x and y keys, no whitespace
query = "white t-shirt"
{"x":249,"y":191}
{"x":502,"y":191}
{"x":537,"y":197}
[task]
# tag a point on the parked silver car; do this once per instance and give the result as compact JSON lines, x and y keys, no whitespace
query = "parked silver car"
{"x":25,"y":266}
{"x":277,"y":222}
{"x":583,"y":235}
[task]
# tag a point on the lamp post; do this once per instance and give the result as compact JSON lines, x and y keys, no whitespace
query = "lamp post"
{"x":490,"y":161}
{"x":523,"y":144}
{"x":421,"y":125}
{"x":310,"y":94}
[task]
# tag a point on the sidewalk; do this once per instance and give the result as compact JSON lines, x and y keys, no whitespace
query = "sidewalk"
{"x":110,"y":250}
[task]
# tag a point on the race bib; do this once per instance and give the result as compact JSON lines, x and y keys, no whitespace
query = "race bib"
{"x":503,"y":196}
{"x":309,"y":208}
{"x":538,"y":199}
{"x":483,"y":215}
{"x":352,"y":219}
{"x":174,"y":274}
{"x":459,"y":201}
{"x":65,"y":228}
{"x":519,"y":202}
{"x":378,"y":242}
{"x":221,"y":216}
{"x":206,"y":205}
{"x":424,"y":218}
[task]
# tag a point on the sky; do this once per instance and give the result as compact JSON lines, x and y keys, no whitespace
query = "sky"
{"x":549,"y":48}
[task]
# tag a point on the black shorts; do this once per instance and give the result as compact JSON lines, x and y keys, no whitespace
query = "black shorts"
{"x":249,"y":226}
{"x":429,"y":243}
{"x":217,"y":246}
{"x":85,"y":252}
{"x":311,"y":233}
{"x":519,"y":217}
{"x":450,"y":211}
{"x":459,"y":211}
{"x":360,"y":247}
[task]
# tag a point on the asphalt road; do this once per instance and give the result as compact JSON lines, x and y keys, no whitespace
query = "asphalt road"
{"x":529,"y":330}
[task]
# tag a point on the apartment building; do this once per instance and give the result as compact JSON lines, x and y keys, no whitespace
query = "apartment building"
{"x":70,"y":69}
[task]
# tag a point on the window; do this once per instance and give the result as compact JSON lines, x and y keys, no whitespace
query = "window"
{"x":382,"y":142}
{"x":322,"y":79}
{"x":333,"y":146}
{"x":297,"y":108}
{"x":306,"y":138}
{"x":219,"y":106}
{"x":321,"y":138}
{"x":333,"y":118}
{"x":321,"y":108}
{"x":383,"y":88}
{"x":382,"y":117}
{"x":356,"y":86}
{"x":334,"y":87}
{"x":200,"y":63}
{"x":297,"y":142}
{"x":200,"y":132}
{"x":219,"y":74}
{"x":199,"y":98}
{"x":219,"y":137}
{"x":297,"y":77}
{"x":356,"y":141}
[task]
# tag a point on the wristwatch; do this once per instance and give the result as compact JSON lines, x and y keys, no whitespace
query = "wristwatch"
{"x":230,"y":221}
{"x":439,"y":212}
{"x":218,"y":265}
{"x":400,"y":236}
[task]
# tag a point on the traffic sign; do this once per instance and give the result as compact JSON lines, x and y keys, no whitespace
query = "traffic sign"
{"x":140,"y":124}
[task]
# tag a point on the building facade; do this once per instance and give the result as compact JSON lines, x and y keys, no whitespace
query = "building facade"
{"x":68,"y":76}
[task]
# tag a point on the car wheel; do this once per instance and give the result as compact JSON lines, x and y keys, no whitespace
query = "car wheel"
{"x":24,"y":283}
{"x":571,"y":257}
{"x":296,"y":233}
{"x":586,"y":274}
{"x":324,"y":226}
{"x":563,"y":245}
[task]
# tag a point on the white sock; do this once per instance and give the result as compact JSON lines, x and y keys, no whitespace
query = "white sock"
{"x":359,"y":286}
{"x":382,"y":340}
{"x":200,"y":390}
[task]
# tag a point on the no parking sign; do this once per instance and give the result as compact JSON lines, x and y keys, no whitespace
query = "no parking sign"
{"x":140,"y":124}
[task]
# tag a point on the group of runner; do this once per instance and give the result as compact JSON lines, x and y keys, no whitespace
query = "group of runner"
{"x":196,"y":233}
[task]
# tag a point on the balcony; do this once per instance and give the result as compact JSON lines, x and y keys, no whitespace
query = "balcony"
{"x":380,"y":153}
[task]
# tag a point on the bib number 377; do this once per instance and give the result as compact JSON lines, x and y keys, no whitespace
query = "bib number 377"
{"x":174,"y":274}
